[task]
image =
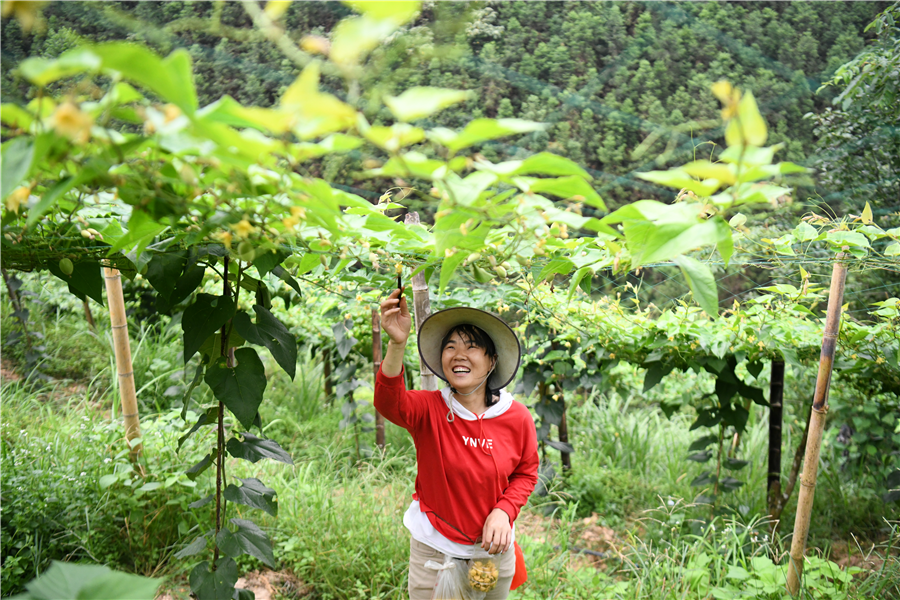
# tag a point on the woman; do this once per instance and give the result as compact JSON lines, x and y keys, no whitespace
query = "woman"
{"x":476,"y":448}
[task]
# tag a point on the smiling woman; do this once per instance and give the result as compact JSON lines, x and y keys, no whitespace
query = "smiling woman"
{"x":475,"y":472}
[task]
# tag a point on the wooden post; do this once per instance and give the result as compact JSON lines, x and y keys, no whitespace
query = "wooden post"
{"x":376,"y":363}
{"x":124,"y":368}
{"x":422,"y":309}
{"x":776,"y":399}
{"x":326,"y":375}
{"x":816,"y":425}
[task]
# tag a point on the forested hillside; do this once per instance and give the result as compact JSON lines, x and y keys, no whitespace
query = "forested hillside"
{"x":625,"y":85}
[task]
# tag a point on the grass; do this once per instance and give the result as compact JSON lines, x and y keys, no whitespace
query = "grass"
{"x":339,"y":526}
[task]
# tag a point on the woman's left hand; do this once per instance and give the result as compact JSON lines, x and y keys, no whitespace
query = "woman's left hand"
{"x":497,"y":534}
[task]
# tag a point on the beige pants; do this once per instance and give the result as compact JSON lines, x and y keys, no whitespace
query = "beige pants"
{"x":422,"y":580}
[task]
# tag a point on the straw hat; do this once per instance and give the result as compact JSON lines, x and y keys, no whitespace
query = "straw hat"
{"x":435,"y":327}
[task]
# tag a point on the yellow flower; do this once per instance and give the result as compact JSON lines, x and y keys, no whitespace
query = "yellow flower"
{"x":298,"y":212}
{"x":224,"y":237}
{"x":172,"y":112}
{"x":17,"y":198}
{"x":70,"y":122}
{"x":729,"y":96}
{"x":27,"y":13}
{"x":289,"y":222}
{"x":315,"y":44}
{"x":243,"y":228}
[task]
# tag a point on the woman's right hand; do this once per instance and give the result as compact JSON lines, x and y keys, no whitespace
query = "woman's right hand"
{"x":395,"y":318}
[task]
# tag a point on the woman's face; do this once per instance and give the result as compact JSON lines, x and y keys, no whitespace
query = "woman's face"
{"x":465,"y":364}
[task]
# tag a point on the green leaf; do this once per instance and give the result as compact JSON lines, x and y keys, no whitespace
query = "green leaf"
{"x":680,"y":179}
{"x":163,"y":272}
{"x":354,"y":37}
{"x":41,"y":71}
{"x":448,"y":267}
{"x":17,"y":155}
{"x":214,"y":585}
{"x":343,"y":337}
{"x":893,"y":249}
{"x":86,"y":279}
{"x":282,"y":274}
{"x":655,"y":372}
{"x":253,"y":493}
{"x":256,"y":449}
{"x":195,"y":547}
{"x":420,"y":102}
{"x":202,"y":319}
{"x":208,"y":418}
{"x":170,"y":78}
{"x":545,"y":163}
{"x":703,"y":443}
{"x":847,"y":238}
{"x":316,"y":113}
{"x":704,"y":169}
{"x":248,"y":538}
{"x":267,"y":260}
{"x":14,"y":116}
{"x":141,"y":231}
{"x":705,"y":478}
{"x":735,"y":464}
{"x":271,"y":333}
{"x":482,"y":130}
{"x":702,"y":283}
{"x":701,"y":457}
{"x":749,"y":128}
{"x":399,"y":11}
{"x":572,"y":187}
{"x":228,"y":111}
{"x":805,"y":232}
{"x":561,"y":446}
{"x":194,"y":472}
{"x":241,"y":387}
{"x":90,"y":582}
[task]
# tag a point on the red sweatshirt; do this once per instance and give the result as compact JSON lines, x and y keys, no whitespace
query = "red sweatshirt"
{"x":465,"y":468}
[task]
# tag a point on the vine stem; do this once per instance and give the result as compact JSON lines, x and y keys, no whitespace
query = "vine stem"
{"x":718,"y":469}
{"x":220,"y":427}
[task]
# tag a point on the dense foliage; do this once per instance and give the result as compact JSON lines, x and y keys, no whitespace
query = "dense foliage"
{"x":620,"y":84}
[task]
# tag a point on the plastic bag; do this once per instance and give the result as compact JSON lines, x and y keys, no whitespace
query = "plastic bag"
{"x":462,"y":579}
{"x":483,"y":574}
{"x":453,"y":582}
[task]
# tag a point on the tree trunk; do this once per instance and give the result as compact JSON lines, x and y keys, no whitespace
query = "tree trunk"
{"x":89,"y":315}
{"x":376,"y":362}
{"x":422,"y":309}
{"x":124,"y":367}
{"x":776,"y":398}
{"x":816,"y":426}
{"x":565,"y":457}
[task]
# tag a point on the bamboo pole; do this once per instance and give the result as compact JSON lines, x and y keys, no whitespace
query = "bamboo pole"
{"x":776,"y":407}
{"x":124,"y":367}
{"x":816,"y":425}
{"x":422,"y":309}
{"x":376,"y":363}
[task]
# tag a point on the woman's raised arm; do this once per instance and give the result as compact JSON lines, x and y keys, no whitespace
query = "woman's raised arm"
{"x":396,"y":321}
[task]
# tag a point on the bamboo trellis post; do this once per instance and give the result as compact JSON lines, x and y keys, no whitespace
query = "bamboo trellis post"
{"x":376,"y":362}
{"x":124,"y":367}
{"x":422,"y":309}
{"x":816,"y":425}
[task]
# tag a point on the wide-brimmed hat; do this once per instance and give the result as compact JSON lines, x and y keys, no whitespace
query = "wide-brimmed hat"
{"x":436,"y":327}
